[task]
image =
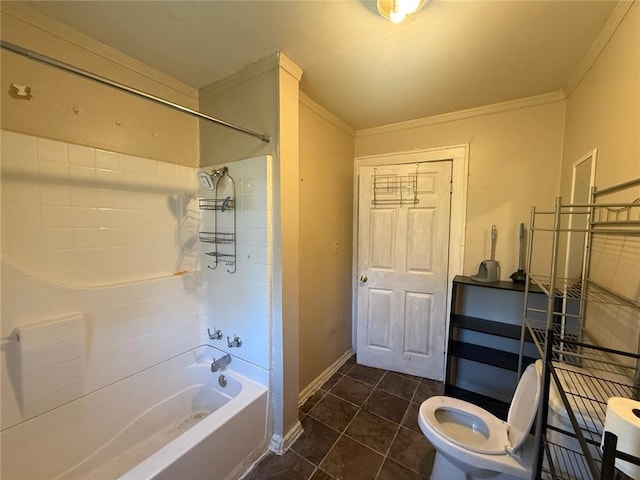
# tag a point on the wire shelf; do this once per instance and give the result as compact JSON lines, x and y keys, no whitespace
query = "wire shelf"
{"x":394,"y":189}
{"x":575,"y":346}
{"x":566,"y":464}
{"x":221,"y":238}
{"x":572,"y":288}
{"x":220,"y":204}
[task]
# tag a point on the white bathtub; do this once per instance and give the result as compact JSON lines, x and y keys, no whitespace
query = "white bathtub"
{"x":173,"y":420}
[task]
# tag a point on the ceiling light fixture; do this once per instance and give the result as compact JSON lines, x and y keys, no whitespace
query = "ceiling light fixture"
{"x":399,"y":10}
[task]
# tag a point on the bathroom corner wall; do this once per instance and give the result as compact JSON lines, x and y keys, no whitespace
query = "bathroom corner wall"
{"x":247,"y":98}
{"x":326,"y":230}
{"x":603,"y":112}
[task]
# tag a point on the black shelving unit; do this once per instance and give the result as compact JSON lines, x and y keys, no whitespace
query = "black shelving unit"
{"x":487,"y":347}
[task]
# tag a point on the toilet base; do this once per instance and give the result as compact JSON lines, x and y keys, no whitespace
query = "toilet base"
{"x":446,"y":468}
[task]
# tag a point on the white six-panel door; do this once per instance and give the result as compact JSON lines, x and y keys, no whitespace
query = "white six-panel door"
{"x":403,"y":248}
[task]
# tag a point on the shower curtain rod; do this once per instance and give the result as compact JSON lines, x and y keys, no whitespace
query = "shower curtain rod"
{"x":125,"y":88}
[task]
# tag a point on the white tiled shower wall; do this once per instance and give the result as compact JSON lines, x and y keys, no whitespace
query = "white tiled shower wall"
{"x":100,"y":234}
{"x":90,"y":216}
{"x":240,"y":303}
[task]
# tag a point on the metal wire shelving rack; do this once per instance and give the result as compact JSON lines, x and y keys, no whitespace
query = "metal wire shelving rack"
{"x":579,"y":373}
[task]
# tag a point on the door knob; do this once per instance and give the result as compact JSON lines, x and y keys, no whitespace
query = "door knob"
{"x":363,"y":278}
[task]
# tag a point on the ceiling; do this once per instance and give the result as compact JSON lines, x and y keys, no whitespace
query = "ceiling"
{"x":453,"y":55}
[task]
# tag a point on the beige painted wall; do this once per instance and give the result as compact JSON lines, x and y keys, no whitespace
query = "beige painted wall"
{"x":69,"y":108}
{"x":248,"y":98}
{"x":603,"y":112}
{"x":326,"y":206}
{"x":515,"y":152}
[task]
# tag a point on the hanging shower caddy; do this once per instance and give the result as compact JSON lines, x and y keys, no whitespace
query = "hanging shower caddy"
{"x":222,"y":237}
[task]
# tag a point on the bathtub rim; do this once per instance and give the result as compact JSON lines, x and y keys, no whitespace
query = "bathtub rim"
{"x":178,"y":447}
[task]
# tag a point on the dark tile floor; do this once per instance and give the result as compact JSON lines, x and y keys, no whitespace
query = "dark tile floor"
{"x":361,"y":425}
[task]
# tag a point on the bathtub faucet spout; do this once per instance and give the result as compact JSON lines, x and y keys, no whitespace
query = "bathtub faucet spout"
{"x":220,"y":362}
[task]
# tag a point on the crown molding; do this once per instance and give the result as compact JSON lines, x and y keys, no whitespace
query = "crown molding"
{"x":598,"y":46}
{"x":289,"y":66}
{"x":527,"y":102}
{"x":325,"y":114}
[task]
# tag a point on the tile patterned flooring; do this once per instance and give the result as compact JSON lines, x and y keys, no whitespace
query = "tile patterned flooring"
{"x":362,"y":424}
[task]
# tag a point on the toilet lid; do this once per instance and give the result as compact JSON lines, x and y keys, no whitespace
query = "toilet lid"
{"x":523,"y":407}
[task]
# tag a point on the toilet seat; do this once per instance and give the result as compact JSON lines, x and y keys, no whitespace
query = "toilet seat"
{"x":475,"y":429}
{"x":465,"y":424}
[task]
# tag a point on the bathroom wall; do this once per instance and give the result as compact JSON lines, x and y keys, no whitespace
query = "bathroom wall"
{"x":248,"y":98}
{"x":326,"y":226}
{"x":97,"y":218}
{"x":603,"y":112}
{"x":69,"y":108}
{"x":515,"y":154}
{"x":94,"y":235}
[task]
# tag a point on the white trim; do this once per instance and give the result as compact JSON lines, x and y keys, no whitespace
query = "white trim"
{"x":593,"y":154}
{"x":459,"y":155}
{"x":598,"y":46}
{"x":518,"y":104}
{"x":279,"y":445}
{"x":323,"y":377}
{"x":325,"y":114}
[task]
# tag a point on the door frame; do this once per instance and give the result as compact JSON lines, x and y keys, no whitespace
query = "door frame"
{"x":459,"y":156}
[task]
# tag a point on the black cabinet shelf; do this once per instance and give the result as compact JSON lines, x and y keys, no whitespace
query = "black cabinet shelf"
{"x":489,"y":327}
{"x":496,"y":407}
{"x":487,"y":355}
{"x":485,"y":329}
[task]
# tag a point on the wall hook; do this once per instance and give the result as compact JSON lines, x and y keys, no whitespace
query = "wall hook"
{"x":20,"y":92}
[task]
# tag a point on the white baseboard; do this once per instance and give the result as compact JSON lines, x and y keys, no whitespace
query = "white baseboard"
{"x":280,"y":445}
{"x":323,"y":377}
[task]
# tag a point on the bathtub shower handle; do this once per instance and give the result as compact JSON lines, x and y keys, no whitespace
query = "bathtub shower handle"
{"x":236,"y":342}
{"x":217,"y":335}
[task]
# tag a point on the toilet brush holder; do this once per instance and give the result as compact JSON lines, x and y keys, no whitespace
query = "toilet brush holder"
{"x":487,"y":272}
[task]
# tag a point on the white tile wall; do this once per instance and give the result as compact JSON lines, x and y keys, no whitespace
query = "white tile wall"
{"x":240,"y":303}
{"x":84,"y":216}
{"x":81,"y":231}
{"x":96,"y":232}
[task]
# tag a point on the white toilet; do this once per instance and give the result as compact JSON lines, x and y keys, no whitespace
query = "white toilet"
{"x":472,"y":443}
